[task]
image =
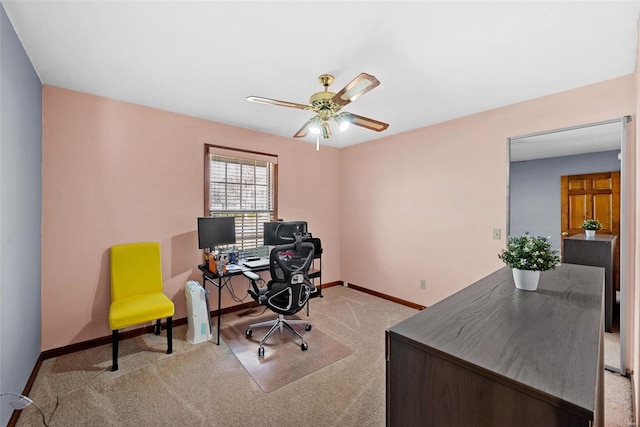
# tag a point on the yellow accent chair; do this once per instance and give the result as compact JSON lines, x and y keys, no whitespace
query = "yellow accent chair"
{"x":136,"y":291}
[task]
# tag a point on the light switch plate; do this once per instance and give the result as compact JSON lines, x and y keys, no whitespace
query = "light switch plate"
{"x":497,"y":234}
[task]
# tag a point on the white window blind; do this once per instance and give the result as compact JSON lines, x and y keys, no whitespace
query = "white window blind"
{"x":245,"y":189}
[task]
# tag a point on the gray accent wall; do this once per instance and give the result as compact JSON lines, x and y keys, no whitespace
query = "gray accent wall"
{"x":534,"y":190}
{"x":20,"y":215}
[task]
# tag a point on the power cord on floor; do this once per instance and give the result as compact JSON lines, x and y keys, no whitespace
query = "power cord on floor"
{"x":249,"y":312}
{"x":23,"y":401}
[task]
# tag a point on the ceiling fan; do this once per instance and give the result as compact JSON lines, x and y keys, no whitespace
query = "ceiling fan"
{"x":327,"y":106}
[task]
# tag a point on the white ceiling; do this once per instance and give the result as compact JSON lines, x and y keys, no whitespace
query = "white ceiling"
{"x":436,"y":61}
{"x":566,"y":142}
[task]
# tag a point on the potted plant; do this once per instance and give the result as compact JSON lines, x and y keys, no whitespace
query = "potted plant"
{"x":528,"y":256}
{"x":590,"y":226}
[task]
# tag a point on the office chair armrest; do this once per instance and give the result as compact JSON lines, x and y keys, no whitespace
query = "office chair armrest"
{"x":251,"y":276}
{"x":256,"y":293}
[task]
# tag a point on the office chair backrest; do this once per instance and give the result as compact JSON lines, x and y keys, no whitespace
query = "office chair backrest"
{"x":290,"y":287}
{"x":284,"y":260}
{"x":136,"y":268}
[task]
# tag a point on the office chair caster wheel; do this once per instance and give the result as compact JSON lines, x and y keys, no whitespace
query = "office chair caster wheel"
{"x":308,"y":327}
{"x":248,"y":333}
{"x":260,"y":351}
{"x":304,"y":346}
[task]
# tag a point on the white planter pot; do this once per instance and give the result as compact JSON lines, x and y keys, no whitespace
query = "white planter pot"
{"x":590,"y":233}
{"x":527,"y":280}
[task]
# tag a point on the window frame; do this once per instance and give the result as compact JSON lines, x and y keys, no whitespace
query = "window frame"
{"x":240,"y":155}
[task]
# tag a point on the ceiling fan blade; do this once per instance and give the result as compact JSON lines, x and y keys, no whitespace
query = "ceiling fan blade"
{"x":304,"y":130}
{"x":260,"y":100}
{"x":367,"y":123}
{"x":357,"y":87}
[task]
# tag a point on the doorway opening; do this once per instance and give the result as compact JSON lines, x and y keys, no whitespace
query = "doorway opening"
{"x":534,"y":185}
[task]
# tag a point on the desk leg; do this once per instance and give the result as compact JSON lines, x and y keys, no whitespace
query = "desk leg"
{"x":219,"y":309}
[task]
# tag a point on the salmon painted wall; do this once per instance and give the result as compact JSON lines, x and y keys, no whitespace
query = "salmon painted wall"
{"x":115,"y":172}
{"x":423,"y":204}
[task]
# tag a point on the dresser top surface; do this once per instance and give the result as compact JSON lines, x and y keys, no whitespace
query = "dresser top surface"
{"x":596,"y":238}
{"x":545,"y":341}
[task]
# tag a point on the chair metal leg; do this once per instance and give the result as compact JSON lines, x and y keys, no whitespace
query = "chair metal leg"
{"x":263,"y":324}
{"x":279,"y":323}
{"x":157,"y":330}
{"x":273,"y":328}
{"x":114,"y":349}
{"x":293,"y":331}
{"x":169,"y":334}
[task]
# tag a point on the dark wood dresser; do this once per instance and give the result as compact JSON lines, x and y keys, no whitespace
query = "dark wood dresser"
{"x":492,"y":355}
{"x":599,"y":251}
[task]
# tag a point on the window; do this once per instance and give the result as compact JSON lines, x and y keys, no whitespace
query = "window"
{"x":242,"y":184}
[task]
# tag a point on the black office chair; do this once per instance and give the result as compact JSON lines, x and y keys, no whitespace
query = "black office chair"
{"x":288,"y":290}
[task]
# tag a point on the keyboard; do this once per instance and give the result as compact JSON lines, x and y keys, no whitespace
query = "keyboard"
{"x":232,"y":267}
{"x":257,"y":264}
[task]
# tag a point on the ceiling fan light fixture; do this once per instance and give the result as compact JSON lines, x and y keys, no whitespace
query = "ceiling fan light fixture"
{"x":326,"y":132}
{"x":343,"y":122}
{"x":316,"y":127}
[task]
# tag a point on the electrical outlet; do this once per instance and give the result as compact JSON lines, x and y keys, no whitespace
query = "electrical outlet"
{"x":423,"y":284}
{"x":497,"y":234}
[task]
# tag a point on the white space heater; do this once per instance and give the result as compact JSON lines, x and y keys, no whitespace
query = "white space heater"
{"x":198,"y":317}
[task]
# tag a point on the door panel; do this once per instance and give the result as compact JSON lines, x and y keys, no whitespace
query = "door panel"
{"x":577,"y":210}
{"x":577,"y":184}
{"x":588,"y":196}
{"x":602,"y":184}
{"x":602,"y":210}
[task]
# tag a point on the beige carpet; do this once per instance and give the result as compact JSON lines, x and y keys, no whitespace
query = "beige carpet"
{"x":617,"y":411}
{"x":283,"y":361}
{"x":205,"y":384}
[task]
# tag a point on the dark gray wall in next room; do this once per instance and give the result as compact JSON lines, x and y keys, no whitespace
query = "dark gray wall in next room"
{"x":534,"y":190}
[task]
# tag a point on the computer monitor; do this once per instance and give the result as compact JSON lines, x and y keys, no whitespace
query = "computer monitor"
{"x":216,"y":231}
{"x":283,"y":232}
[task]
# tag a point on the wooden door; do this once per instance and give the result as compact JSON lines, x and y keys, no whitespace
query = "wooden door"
{"x":592,"y":196}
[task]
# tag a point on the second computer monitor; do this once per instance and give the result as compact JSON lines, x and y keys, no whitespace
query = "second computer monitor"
{"x":283,"y":232}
